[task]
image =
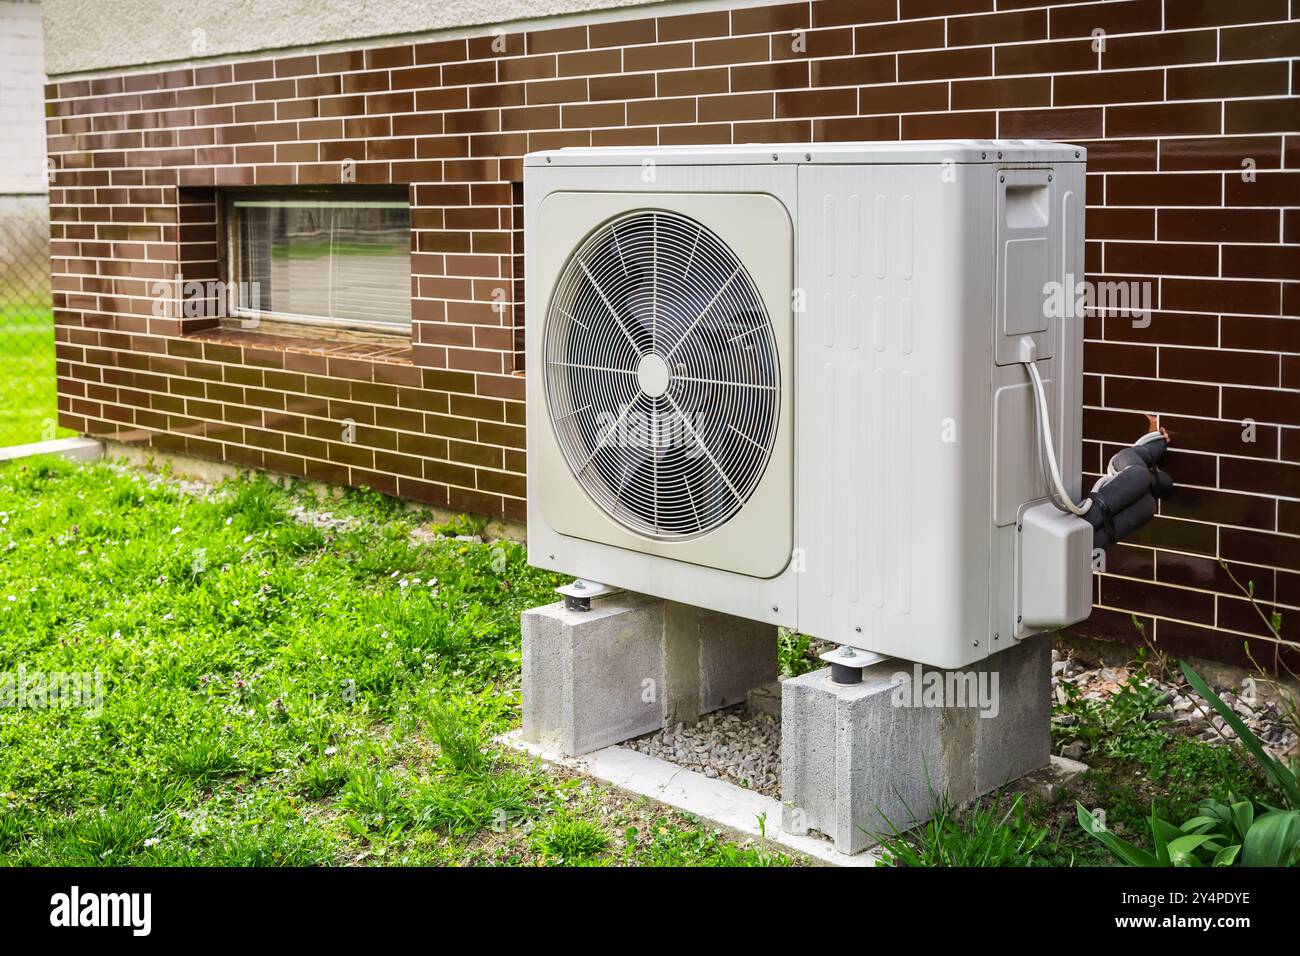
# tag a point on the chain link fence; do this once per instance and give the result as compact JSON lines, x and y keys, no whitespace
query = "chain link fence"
{"x":28,"y":394}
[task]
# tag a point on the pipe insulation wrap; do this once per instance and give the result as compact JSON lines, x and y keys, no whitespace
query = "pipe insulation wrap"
{"x":1125,"y":497}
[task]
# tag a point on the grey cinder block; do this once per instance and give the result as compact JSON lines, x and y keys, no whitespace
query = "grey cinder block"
{"x":857,"y":758}
{"x":631,"y":665}
{"x":585,"y":673}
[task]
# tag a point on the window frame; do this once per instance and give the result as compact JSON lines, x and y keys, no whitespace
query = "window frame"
{"x":229,"y":223}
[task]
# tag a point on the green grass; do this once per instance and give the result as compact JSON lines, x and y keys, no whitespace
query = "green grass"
{"x":28,"y":400}
{"x":274,"y":694}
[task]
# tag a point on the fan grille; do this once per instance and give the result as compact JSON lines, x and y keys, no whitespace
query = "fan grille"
{"x":662,"y":375}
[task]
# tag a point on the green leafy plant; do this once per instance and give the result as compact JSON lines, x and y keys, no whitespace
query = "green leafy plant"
{"x":792,"y":653}
{"x":1219,"y":835}
{"x":462,"y":526}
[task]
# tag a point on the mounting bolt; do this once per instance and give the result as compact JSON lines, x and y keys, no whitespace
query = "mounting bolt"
{"x":548,"y":159}
{"x":977,"y":643}
{"x":807,"y":157}
{"x":984,"y":155}
{"x":999,"y":155}
{"x":1076,"y":154}
{"x":1002,"y":179}
{"x":858,"y":628}
{"x":775,"y":609}
{"x":1019,"y":619}
{"x":1049,"y":177}
{"x":995,"y":637}
{"x":774,"y":157}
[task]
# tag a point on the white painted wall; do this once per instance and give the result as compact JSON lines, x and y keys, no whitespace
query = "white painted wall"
{"x":22,"y":99}
{"x":85,"y":35}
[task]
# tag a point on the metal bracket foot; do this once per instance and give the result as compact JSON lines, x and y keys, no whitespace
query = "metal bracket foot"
{"x":847,"y":663}
{"x":578,"y":595}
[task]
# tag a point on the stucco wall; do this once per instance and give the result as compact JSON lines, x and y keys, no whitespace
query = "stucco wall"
{"x":22,"y":99}
{"x":99,"y":34}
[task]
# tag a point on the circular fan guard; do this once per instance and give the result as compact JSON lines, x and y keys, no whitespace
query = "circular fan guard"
{"x":662,"y":375}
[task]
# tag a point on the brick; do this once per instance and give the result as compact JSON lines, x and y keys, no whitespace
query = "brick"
{"x":1229,"y":80}
{"x":1166,"y":120}
{"x":942,"y":65}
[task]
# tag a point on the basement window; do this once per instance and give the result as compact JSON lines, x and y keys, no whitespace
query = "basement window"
{"x":338,"y":257}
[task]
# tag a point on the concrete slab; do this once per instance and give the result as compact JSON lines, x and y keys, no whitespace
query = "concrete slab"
{"x":724,"y":805}
{"x":75,"y":449}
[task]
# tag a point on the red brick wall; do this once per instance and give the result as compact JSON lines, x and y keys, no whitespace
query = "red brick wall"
{"x":1184,"y":93}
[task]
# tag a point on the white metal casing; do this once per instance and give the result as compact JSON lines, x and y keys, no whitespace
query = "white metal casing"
{"x":912,"y":429}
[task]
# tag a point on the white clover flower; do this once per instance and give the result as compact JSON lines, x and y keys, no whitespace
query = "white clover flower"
{"x":176,"y":530}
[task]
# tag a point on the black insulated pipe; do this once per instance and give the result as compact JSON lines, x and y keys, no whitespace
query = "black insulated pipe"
{"x":1125,"y":498}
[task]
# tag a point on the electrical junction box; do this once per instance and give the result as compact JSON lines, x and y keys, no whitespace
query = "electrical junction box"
{"x":785,"y":383}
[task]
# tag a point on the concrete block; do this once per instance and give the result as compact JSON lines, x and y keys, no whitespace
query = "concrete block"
{"x":857,"y":758}
{"x":631,"y":665}
{"x":735,"y":656}
{"x":585,"y":673}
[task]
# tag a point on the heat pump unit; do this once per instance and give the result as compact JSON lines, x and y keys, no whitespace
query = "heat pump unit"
{"x":794,"y":384}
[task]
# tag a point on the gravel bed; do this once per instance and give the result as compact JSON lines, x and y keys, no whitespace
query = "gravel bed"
{"x":1186,"y":712}
{"x":733,"y":745}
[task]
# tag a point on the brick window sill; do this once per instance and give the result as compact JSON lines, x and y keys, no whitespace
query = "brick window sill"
{"x":374,"y":349}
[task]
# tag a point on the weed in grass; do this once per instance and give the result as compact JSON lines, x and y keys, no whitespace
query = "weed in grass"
{"x":375,"y":798}
{"x":323,"y":777}
{"x":463,"y":526}
{"x":459,"y":736}
{"x":793,"y":655}
{"x":980,"y":836}
{"x":571,"y":839}
{"x":202,"y":759}
{"x":464,"y":806}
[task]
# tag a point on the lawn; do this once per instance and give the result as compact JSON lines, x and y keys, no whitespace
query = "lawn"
{"x":278,"y":690}
{"x":28,"y":397}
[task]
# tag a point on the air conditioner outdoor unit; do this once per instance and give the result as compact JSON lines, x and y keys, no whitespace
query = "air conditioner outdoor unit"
{"x":793,"y":384}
